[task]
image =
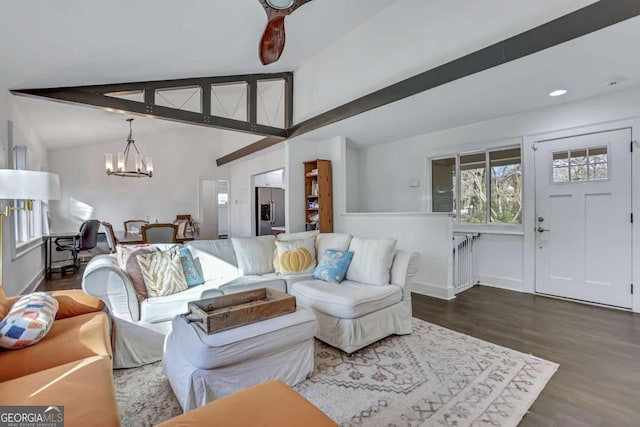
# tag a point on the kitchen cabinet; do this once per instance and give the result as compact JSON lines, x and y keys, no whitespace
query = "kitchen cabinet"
{"x":270,"y":179}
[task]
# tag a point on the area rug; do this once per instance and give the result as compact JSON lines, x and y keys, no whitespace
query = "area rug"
{"x":433,"y":377}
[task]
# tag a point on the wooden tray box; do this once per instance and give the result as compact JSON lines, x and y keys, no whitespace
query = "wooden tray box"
{"x":230,"y":311}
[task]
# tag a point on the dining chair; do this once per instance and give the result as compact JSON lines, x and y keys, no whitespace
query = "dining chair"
{"x":159,"y":233}
{"x":86,"y":239}
{"x":184,"y":223}
{"x":112,"y":241}
{"x":134,"y":226}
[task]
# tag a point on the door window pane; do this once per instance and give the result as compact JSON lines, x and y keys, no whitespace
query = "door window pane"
{"x":561,"y":166}
{"x":473,"y":188}
{"x":506,"y":185}
{"x":578,"y":165}
{"x":598,"y":163}
{"x":584,"y":164}
{"x":443,"y":185}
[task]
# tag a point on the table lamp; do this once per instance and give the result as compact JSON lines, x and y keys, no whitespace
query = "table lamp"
{"x":28,"y":186}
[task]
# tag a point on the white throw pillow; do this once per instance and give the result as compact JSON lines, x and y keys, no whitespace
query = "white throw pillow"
{"x":372,"y":259}
{"x":335,"y":241}
{"x":287,"y":237}
{"x":254,"y":254}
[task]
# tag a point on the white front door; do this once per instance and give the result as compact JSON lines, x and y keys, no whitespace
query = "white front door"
{"x":583,"y":217}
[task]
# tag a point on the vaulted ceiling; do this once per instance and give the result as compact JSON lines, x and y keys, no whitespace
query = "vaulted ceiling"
{"x":75,"y":42}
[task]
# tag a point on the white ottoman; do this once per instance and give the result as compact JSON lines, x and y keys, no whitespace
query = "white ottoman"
{"x":202,"y":367}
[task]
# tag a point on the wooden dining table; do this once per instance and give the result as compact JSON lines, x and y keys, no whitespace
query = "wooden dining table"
{"x":125,"y":238}
{"x":136,"y":238}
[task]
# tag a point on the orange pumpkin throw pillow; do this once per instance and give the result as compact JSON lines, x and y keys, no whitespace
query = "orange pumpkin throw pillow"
{"x":296,"y":256}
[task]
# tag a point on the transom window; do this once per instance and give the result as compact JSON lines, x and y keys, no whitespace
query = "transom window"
{"x":483,"y":187}
{"x":579,"y":165}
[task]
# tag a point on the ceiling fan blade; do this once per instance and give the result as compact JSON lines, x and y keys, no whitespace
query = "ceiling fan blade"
{"x":273,"y":39}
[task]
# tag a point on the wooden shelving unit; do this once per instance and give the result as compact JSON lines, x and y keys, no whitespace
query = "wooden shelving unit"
{"x":319,"y":195}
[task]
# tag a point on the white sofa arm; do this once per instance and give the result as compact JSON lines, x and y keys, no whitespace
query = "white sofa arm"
{"x":103,"y":278}
{"x":404,"y":267}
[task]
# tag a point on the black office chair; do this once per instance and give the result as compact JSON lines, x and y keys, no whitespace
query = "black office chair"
{"x":86,"y":239}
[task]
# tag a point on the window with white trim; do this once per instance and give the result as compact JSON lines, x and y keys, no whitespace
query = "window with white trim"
{"x":28,"y":224}
{"x":481,"y":187}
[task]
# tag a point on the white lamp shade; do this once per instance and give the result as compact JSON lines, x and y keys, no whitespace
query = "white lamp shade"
{"x":29,"y":185}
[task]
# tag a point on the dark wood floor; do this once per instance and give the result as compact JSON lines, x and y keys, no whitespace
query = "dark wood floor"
{"x":598,"y":349}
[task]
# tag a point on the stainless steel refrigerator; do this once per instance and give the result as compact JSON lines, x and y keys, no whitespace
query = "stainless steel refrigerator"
{"x":270,"y":206}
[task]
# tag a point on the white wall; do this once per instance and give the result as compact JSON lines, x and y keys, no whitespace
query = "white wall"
{"x":499,"y":261}
{"x":180,"y":158}
{"x":383,"y":179}
{"x":24,"y":272}
{"x":427,"y":234}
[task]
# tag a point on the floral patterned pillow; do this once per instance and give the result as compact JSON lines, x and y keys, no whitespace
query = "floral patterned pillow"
{"x":333,"y":266}
{"x":190,"y":269}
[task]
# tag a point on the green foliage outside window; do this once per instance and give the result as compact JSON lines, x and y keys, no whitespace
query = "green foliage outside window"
{"x":500,"y":193}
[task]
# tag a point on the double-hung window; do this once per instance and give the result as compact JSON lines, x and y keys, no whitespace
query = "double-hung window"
{"x":481,"y":187}
{"x":28,"y":224}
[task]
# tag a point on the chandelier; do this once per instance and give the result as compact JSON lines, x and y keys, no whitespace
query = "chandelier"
{"x":142,"y":167}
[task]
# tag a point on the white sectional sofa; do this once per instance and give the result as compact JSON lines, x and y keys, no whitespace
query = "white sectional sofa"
{"x":351,"y":315}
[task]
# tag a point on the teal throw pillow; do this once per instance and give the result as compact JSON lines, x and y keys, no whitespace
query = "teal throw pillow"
{"x":333,"y":266}
{"x":191,"y":272}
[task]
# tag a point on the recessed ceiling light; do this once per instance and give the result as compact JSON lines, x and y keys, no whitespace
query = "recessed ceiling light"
{"x":558,"y":92}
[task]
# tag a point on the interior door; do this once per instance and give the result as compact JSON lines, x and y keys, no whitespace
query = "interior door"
{"x":583,"y":217}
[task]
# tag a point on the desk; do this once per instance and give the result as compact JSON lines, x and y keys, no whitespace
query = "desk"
{"x":48,"y":239}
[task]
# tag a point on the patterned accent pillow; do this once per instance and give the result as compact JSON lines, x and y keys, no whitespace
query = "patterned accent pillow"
{"x":191,"y":272}
{"x":288,"y":237}
{"x":126,"y":255}
{"x":162,"y":272}
{"x":333,"y":266}
{"x":28,"y":321}
{"x":296,"y":256}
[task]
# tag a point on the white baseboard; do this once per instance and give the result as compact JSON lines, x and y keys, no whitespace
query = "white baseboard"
{"x":432,"y":290}
{"x":33,"y":284}
{"x":509,"y":283}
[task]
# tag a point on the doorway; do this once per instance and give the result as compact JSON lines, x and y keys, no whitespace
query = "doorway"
{"x":583,"y":217}
{"x":214,"y":216}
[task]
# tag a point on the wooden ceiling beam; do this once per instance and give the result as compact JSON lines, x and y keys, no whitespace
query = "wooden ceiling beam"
{"x":96,"y":96}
